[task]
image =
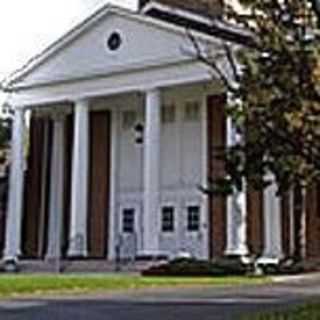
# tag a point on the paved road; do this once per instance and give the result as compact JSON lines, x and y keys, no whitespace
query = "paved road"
{"x":196,"y":304}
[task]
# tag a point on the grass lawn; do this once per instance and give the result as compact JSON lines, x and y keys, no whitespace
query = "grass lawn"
{"x":25,"y":285}
{"x":307,"y":312}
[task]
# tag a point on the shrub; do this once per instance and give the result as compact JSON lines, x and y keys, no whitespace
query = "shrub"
{"x":193,"y":267}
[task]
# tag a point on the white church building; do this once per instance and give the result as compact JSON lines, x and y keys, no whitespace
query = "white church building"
{"x":124,"y":121}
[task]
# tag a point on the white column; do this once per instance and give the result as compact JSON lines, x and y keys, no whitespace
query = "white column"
{"x":14,"y":216}
{"x":272,"y":252}
{"x":79,"y":192}
{"x":56,"y":190}
{"x":113,"y":223}
{"x":236,"y":209}
{"x":151,"y":173}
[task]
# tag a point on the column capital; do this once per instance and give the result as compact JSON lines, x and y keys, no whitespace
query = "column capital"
{"x":152,"y":90}
{"x":19,"y":109}
{"x":81,"y":102}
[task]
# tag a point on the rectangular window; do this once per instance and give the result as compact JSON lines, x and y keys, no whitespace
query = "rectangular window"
{"x":168,"y":113}
{"x":167,"y":219}
{"x":128,"y":119}
{"x":128,"y":221}
{"x":193,"y":218}
{"x":192,"y":111}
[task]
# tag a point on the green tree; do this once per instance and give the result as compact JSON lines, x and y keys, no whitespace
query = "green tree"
{"x":273,"y":95}
{"x":5,"y":126}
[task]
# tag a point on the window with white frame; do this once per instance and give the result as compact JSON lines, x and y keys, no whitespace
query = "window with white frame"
{"x":128,"y":220}
{"x":168,"y":113}
{"x":167,"y":219}
{"x":193,"y":218}
{"x":129,"y":118}
{"x":192,"y":111}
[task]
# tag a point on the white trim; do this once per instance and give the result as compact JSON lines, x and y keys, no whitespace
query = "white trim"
{"x":179,"y":74}
{"x":97,"y":73}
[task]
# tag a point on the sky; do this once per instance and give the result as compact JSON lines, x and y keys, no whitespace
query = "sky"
{"x":28,"y":26}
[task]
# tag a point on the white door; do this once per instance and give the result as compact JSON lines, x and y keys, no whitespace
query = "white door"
{"x":192,"y":230}
{"x":169,"y":239}
{"x":128,"y":231}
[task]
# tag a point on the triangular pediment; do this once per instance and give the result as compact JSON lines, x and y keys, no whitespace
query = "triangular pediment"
{"x":114,"y":43}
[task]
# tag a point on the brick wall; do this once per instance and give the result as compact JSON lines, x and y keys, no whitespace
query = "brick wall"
{"x":205,"y":7}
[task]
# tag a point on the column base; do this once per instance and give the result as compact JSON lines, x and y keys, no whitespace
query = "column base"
{"x":268,"y":260}
{"x":240,"y":252}
{"x":76,"y":254}
{"x":77,"y":247}
{"x":11,"y":265}
{"x":240,"y":258}
{"x":55,"y":263}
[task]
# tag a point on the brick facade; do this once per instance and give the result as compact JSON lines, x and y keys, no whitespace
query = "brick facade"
{"x":203,"y":7}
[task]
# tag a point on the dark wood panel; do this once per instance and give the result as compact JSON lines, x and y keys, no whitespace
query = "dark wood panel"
{"x":68,"y":148}
{"x":313,"y":223}
{"x":285,"y":224}
{"x":33,"y":190}
{"x":216,"y":142}
{"x":99,"y":187}
{"x":255,"y":229}
{"x":45,"y":197}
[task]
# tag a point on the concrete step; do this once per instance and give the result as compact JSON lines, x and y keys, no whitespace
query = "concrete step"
{"x":80,"y":266}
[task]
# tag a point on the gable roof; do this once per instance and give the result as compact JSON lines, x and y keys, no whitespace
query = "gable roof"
{"x":10,"y":83}
{"x":84,"y":26}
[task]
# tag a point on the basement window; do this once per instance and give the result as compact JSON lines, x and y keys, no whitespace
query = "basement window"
{"x":167,"y":219}
{"x":193,"y":218}
{"x":128,"y":221}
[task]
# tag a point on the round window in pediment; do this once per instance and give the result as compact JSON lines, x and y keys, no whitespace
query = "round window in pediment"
{"x":114,"y":41}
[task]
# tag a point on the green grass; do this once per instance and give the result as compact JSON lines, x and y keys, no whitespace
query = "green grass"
{"x":307,"y":312}
{"x":25,"y":285}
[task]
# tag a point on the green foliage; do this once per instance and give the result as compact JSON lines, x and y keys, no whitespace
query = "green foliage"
{"x":5,"y":132}
{"x":274,"y":99}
